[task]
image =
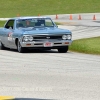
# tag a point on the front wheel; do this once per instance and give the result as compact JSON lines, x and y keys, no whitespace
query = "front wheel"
{"x":63,"y":49}
{"x":20,"y":48}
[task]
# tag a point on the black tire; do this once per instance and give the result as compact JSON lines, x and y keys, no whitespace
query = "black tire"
{"x":19,"y":47}
{"x":2,"y":47}
{"x":63,"y":49}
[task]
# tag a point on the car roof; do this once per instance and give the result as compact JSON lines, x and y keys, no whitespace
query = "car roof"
{"x":28,"y":17}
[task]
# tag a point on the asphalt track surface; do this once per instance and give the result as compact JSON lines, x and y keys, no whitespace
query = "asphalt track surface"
{"x":43,"y":75}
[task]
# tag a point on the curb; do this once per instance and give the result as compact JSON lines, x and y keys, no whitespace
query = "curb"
{"x":7,"y":98}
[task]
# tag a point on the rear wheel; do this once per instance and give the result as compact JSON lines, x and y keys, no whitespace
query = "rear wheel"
{"x":2,"y":47}
{"x":19,"y":47}
{"x":63,"y":49}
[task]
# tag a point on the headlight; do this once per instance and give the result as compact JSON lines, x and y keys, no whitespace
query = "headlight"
{"x":69,"y":37}
{"x":65,"y":37}
{"x":27,"y":38}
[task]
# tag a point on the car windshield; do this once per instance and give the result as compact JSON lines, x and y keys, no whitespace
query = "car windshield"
{"x":34,"y":22}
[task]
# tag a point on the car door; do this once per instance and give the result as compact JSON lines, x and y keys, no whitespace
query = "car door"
{"x":9,"y":31}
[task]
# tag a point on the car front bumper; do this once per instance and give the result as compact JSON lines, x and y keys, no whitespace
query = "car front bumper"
{"x":46,"y":43}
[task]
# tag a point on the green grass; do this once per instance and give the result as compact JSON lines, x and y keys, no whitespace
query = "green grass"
{"x":10,"y":8}
{"x":88,"y":46}
{"x":2,"y":23}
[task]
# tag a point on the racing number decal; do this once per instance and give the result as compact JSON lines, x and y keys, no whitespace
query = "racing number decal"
{"x":10,"y":38}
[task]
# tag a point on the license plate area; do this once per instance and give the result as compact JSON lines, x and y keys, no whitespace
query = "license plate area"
{"x":48,"y":44}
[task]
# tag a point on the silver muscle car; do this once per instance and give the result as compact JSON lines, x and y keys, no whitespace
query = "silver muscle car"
{"x":22,"y":33}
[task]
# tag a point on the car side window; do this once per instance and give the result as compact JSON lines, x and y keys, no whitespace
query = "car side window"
{"x":9,"y":24}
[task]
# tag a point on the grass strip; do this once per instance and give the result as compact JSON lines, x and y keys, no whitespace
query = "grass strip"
{"x":2,"y":23}
{"x":12,"y":8}
{"x":88,"y":46}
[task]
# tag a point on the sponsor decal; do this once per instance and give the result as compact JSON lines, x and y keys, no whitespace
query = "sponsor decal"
{"x":10,"y":38}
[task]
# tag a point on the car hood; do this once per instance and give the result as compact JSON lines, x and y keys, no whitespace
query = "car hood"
{"x":45,"y":31}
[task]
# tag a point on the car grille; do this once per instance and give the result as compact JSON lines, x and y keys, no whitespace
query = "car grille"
{"x":48,"y":37}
